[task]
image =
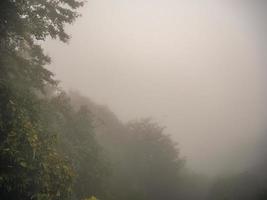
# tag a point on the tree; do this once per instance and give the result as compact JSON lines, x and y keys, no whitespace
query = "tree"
{"x":150,"y":165}
{"x":78,"y":142}
{"x":31,"y":167}
{"x":145,"y":163}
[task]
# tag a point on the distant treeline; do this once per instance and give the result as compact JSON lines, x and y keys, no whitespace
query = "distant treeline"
{"x":59,"y":146}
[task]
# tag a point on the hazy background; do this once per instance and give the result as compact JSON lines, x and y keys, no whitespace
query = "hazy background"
{"x":197,"y":67}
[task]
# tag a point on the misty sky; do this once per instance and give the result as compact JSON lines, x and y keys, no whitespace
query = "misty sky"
{"x":197,"y":67}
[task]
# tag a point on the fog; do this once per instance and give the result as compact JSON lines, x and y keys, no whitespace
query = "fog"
{"x":197,"y":67}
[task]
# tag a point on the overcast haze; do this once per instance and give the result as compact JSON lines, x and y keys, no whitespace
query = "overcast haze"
{"x":197,"y":67}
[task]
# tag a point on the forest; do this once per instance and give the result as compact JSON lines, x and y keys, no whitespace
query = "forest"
{"x":61,"y":145}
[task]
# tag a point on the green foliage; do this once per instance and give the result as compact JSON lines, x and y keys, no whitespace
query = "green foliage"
{"x":31,"y":166}
{"x":91,"y":198}
{"x":37,"y":18}
{"x":79,"y":144}
{"x":145,"y":162}
{"x":151,"y":164}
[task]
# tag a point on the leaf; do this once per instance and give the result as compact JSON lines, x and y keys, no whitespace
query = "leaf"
{"x":23,"y":164}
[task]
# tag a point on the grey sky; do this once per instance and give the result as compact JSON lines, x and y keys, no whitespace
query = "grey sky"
{"x":197,"y":67}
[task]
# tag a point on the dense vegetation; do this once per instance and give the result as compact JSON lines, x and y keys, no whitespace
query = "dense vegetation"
{"x":55,"y":145}
{"x":31,"y":165}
